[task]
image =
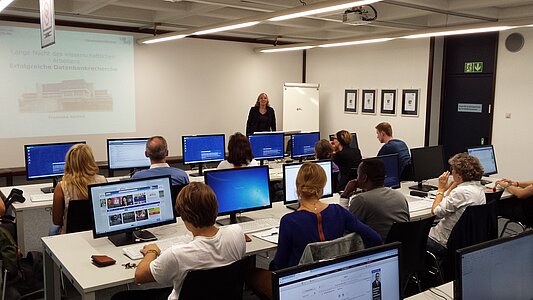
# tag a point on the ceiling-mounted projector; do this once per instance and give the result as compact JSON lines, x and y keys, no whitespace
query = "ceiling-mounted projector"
{"x":359,"y":15}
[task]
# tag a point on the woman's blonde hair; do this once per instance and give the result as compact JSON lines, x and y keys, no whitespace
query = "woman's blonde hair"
{"x":310,"y":181}
{"x":80,"y":169}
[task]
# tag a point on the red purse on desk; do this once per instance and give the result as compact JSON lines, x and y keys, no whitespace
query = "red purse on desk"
{"x":102,"y":260}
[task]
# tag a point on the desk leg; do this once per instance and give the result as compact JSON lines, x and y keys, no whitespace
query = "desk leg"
{"x":88,"y":296}
{"x":52,"y":277}
{"x":19,"y":215}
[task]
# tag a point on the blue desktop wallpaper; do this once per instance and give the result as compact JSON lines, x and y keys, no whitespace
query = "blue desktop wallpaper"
{"x":303,"y":144}
{"x":46,"y":160}
{"x":267,"y":145}
{"x":197,"y":149}
{"x":240,"y":189}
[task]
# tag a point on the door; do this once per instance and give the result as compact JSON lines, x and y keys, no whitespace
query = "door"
{"x":468,"y":92}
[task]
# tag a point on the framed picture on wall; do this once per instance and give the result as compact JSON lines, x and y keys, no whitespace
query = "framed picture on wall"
{"x":410,"y":103}
{"x":350,"y":101}
{"x":369,"y":102}
{"x":388,"y":102}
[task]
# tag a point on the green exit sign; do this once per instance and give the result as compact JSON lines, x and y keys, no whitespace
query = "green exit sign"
{"x":474,"y":67}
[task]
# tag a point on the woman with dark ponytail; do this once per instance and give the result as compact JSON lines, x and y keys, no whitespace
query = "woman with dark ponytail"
{"x":346,"y":158}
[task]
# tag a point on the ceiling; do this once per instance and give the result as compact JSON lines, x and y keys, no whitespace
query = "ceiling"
{"x":393,"y":16}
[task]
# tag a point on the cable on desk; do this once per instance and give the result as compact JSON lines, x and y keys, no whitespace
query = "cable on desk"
{"x":446,"y":294}
{"x":440,"y":296}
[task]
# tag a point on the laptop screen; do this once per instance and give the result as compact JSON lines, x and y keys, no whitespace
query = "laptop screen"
{"x":369,"y":274}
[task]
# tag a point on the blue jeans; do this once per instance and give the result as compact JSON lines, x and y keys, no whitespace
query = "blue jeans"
{"x":436,"y":248}
{"x":54,"y":230}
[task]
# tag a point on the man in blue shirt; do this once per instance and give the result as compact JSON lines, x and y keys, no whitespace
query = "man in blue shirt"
{"x":157,"y":152}
{"x":393,"y":146}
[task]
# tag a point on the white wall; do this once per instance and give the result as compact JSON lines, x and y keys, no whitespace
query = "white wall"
{"x":514,"y":90}
{"x":190,"y":86}
{"x":401,"y":64}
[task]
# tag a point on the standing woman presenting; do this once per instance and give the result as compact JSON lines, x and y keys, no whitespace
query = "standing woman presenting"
{"x":261,"y":116}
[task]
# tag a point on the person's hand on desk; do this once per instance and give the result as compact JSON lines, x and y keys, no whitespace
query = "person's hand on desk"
{"x":143,"y":273}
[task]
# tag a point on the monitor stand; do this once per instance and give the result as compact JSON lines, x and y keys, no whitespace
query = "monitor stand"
{"x":423,"y":187}
{"x":50,"y":189}
{"x":485,"y":182}
{"x":293,"y":206}
{"x":132,"y":237}
{"x":200,"y":171}
{"x":233,"y":219}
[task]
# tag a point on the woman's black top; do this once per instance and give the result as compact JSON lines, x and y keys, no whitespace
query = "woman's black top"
{"x":347,"y":160}
{"x":259,"y":122}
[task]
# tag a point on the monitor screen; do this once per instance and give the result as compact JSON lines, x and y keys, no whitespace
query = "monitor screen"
{"x":497,"y":269}
{"x":303,"y":144}
{"x":127,"y":206}
{"x":46,"y":160}
{"x":428,"y":162}
{"x":354,"y":144}
{"x":290,"y":171}
{"x":240,"y":189}
{"x":127,"y":153}
{"x":486,"y":157}
{"x":370,"y":274}
{"x":203,"y":148}
{"x":265,"y":146}
{"x":392,"y":170}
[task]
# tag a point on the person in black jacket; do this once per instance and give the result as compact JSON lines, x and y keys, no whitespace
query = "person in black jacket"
{"x":261,"y":116}
{"x":346,"y":158}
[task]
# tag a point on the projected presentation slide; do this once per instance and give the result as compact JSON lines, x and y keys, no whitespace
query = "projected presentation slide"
{"x":84,"y":84}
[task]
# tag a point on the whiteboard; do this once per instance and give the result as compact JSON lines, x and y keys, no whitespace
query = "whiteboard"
{"x":301,"y":107}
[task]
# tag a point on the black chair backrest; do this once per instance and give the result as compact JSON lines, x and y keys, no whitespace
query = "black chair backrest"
{"x":174,"y":191}
{"x":224,"y":283}
{"x":476,"y":225}
{"x":78,"y":216}
{"x":413,"y":236}
{"x":492,"y":199}
{"x":527,"y":206}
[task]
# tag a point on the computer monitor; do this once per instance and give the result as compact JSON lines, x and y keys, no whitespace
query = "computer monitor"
{"x":392,"y":169}
{"x":303,"y":144}
{"x":428,"y":163}
{"x":290,"y":171}
{"x":497,"y":269}
{"x":354,"y":144}
{"x":373,"y":273}
{"x":44,"y":161}
{"x":127,"y":153}
{"x":267,"y":146}
{"x":121,"y":209}
{"x":239,"y":190}
{"x":486,"y":157}
{"x":199,"y":149}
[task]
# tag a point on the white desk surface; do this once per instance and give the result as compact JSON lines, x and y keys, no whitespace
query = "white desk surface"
{"x":445,"y":290}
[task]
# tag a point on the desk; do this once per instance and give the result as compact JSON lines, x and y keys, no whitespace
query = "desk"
{"x":71,"y":254}
{"x":446,"y":290}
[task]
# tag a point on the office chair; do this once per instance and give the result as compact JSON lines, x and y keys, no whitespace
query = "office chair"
{"x":327,"y":249}
{"x":525,"y":221}
{"x":413,"y":236}
{"x":7,"y":221}
{"x":476,"y":225}
{"x":224,"y":283}
{"x":78,"y":216}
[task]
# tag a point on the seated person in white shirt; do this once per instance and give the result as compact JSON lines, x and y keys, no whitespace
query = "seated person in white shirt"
{"x":211,"y":246}
{"x":157,"y":152}
{"x":239,"y":153}
{"x":452,"y":198}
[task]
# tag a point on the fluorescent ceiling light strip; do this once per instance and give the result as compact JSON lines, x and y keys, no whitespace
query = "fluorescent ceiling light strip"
{"x":286,"y":49}
{"x":4,"y":4}
{"x":356,"y":42}
{"x":317,"y":11}
{"x":225,"y":28}
{"x":458,"y":32}
{"x":164,"y":39}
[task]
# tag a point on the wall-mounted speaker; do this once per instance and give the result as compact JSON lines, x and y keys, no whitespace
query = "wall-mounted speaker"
{"x":514,"y":42}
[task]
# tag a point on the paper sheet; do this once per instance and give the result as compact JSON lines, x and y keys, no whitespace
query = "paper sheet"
{"x":269,"y":235}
